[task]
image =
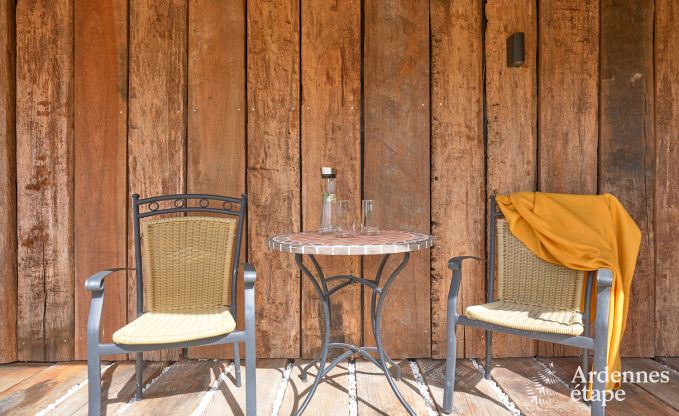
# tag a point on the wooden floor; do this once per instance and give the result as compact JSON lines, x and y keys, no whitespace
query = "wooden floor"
{"x":205,"y":387}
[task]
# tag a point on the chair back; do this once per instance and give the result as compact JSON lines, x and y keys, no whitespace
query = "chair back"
{"x":527,"y":279}
{"x":186,"y":262}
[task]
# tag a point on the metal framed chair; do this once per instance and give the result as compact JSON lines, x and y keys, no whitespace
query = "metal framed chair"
{"x":188,"y":273}
{"x":536,"y":299}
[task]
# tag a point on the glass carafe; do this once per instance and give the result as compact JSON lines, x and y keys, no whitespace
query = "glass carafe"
{"x":328,"y":176}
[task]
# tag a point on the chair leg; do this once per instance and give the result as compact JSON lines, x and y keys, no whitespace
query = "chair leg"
{"x":599,"y":388}
{"x":489,"y":344}
{"x":236,"y":362}
{"x":451,"y":357}
{"x":585,"y":361}
{"x":93,"y":382}
{"x":139,"y":371}
{"x":250,"y":376}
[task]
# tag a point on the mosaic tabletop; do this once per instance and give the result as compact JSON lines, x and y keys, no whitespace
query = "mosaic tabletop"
{"x":384,"y":242}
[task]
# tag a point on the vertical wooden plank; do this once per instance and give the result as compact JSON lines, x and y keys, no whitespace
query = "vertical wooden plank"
{"x":396,"y":161}
{"x":331,"y":105}
{"x":100,"y":160}
{"x":216,"y":120}
{"x":627,"y":147}
{"x":8,"y":265}
{"x":667,"y":176}
{"x":273,"y":170}
{"x":511,"y":98}
{"x":44,"y":116}
{"x":157,"y":120}
{"x":568,"y":96}
{"x":457,"y":160}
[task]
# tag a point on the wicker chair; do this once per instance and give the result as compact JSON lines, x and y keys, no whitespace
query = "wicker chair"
{"x":188,"y":274}
{"x":536,"y":299}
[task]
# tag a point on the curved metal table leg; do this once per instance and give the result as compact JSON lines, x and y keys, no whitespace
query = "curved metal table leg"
{"x":326,"y":337}
{"x":378,"y":334}
{"x":375,"y":312}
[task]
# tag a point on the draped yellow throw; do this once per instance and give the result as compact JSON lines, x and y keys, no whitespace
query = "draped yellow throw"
{"x":581,"y":232}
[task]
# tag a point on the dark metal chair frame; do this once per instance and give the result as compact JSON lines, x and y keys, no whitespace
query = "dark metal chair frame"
{"x":180,"y":203}
{"x":598,"y":343}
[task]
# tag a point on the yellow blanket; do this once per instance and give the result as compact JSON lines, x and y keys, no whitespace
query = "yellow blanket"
{"x":581,"y":232}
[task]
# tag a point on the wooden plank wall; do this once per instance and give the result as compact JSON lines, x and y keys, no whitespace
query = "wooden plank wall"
{"x":396,"y":161}
{"x":412,"y":102}
{"x":8,"y":259}
{"x":331,"y":136}
{"x":44,"y":166}
{"x":101,"y":75}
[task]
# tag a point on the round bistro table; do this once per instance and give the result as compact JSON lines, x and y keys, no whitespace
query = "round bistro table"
{"x":384,"y":243}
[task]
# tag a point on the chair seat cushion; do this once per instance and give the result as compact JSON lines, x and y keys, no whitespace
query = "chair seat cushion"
{"x":528,"y":317}
{"x":176,"y":326}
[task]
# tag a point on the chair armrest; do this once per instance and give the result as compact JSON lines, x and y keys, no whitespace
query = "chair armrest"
{"x":455,"y":263}
{"x":249,"y":275}
{"x":604,"y":278}
{"x":95,"y":283}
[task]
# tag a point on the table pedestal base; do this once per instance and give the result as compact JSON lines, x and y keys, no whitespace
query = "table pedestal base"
{"x":320,"y":283}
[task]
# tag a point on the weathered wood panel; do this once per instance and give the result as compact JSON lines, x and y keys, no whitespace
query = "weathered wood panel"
{"x":534,"y":390}
{"x":568,"y":96}
{"x":118,"y":388}
{"x":511,"y":108}
{"x":157,"y":120}
{"x":13,"y":374}
{"x":179,"y":390}
{"x":39,"y":391}
{"x":44,"y":117}
{"x":639,"y":398}
{"x":331,"y":118}
{"x":396,"y":161}
{"x":100,"y":70}
{"x":216,"y":111}
{"x":375,"y":397}
{"x":627,"y":147}
{"x":331,"y":397}
{"x":273,"y":170}
{"x":231,"y":399}
{"x":472,"y":394}
{"x":667,"y":176}
{"x":568,"y":104}
{"x":8,"y":246}
{"x":457,"y":160}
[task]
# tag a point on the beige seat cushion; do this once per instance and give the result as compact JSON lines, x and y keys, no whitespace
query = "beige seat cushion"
{"x":176,"y":326}
{"x":528,"y":317}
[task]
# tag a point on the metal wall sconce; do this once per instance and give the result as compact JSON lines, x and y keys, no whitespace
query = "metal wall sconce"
{"x":515,"y":50}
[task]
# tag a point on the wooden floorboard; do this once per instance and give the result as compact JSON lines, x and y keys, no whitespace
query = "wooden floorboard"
{"x":13,"y":374}
{"x":533,"y":390}
{"x":473,"y":396}
{"x":331,"y":397}
{"x":375,"y":397}
{"x":668,"y":392}
{"x":638,"y":401}
{"x":207,"y":387}
{"x":118,"y":387}
{"x":671,"y":362}
{"x":42,"y":389}
{"x":229,"y":399}
{"x":179,"y":390}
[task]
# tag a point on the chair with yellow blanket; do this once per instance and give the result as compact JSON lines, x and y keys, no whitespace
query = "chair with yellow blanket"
{"x":535,"y":299}
{"x":186,"y":287}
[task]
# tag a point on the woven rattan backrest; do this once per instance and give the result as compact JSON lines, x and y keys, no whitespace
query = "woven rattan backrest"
{"x":525,"y":278}
{"x":187,"y":262}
